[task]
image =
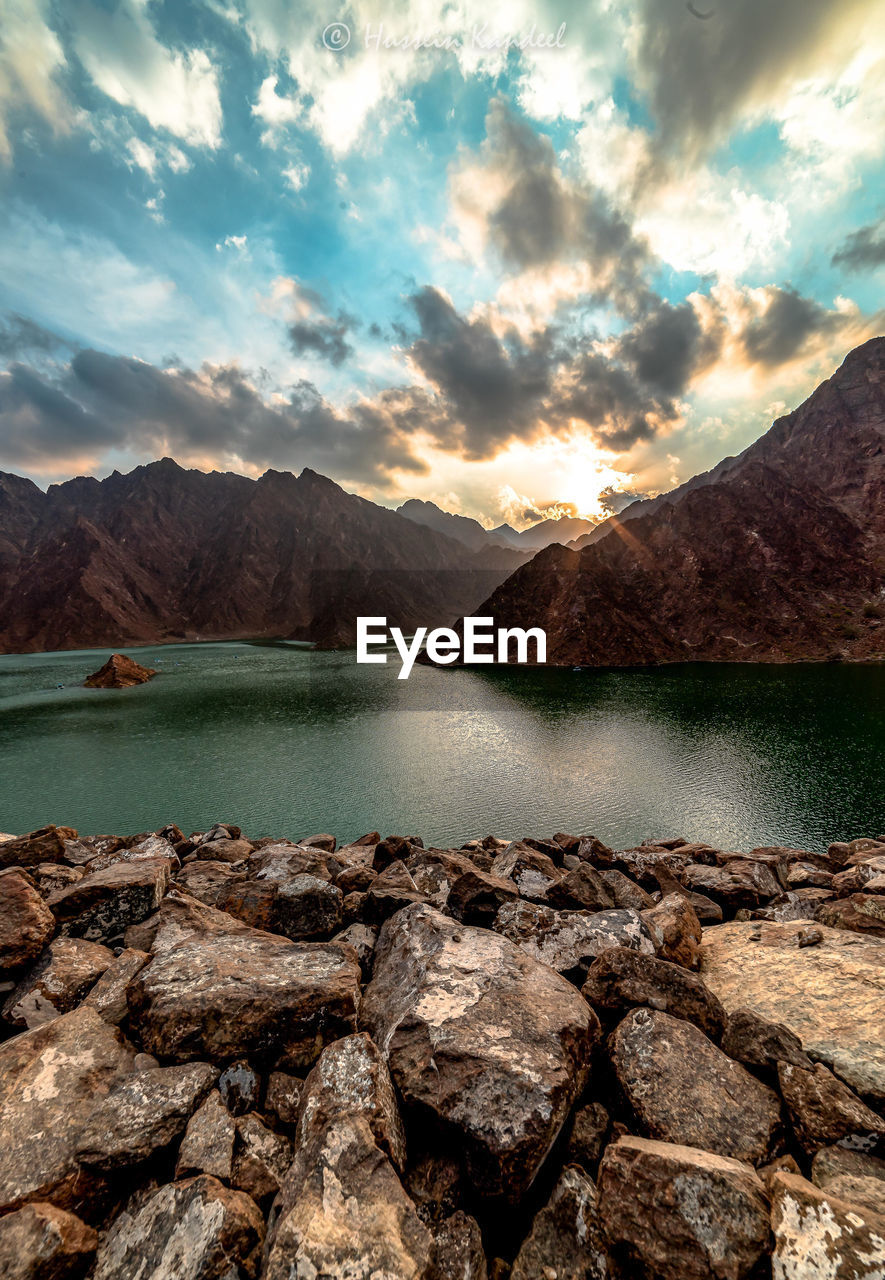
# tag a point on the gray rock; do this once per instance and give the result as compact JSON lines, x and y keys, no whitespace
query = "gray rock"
{"x":41,"y":1242}
{"x":568,"y":941}
{"x":208,"y":1142}
{"x":240,"y":1088}
{"x":566,"y":1236}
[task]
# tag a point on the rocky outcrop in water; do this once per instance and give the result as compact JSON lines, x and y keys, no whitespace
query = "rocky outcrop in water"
{"x":119,"y":672}
{"x":225,"y":1058}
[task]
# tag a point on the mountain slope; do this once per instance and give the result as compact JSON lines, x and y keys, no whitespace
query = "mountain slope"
{"x":163,"y":553}
{"x":778,"y":556}
{"x":472,"y":533}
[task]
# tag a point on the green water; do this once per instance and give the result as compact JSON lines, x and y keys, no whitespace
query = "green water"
{"x":285,"y":741}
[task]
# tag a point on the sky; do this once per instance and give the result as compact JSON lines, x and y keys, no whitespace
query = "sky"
{"x":517,"y":258}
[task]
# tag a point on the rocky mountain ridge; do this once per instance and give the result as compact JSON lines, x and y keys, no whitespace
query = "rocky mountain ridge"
{"x":543,"y":533}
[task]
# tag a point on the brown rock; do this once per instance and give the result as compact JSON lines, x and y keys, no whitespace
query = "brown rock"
{"x":221,"y":996}
{"x":362,"y":937}
{"x":325,"y":842}
{"x":295,"y":906}
{"x":108,"y":996}
{"x":262,"y":1158}
{"x":675,"y":930}
{"x":676,"y":1213}
{"x":104,"y":903}
{"x":151,"y":846}
{"x":823,"y":1109}
{"x":224,"y":850}
{"x":282,"y":1100}
{"x":619,"y":979}
{"x":626,"y":892}
{"x":706,"y":910}
{"x":758,"y":1043}
{"x":49,"y":877}
{"x":475,"y":897}
{"x":435,"y":1183}
{"x":119,"y":672}
{"x":50,"y":1080}
{"x":850,"y":1175}
{"x":26,"y":923}
{"x":492,"y":1043}
{"x":47,"y":844}
{"x":208,"y":1142}
{"x":566,"y":1236}
{"x":582,"y":889}
{"x":41,"y":1242}
{"x":532,"y":872}
{"x":193,"y":1230}
{"x":862,"y":913}
{"x":568,"y":941}
{"x":457,"y":1252}
{"x":742,"y":882}
{"x":57,"y":982}
{"x":587,"y":1137}
{"x":818,"y":1235}
{"x":205,"y":880}
{"x":682,"y":1088}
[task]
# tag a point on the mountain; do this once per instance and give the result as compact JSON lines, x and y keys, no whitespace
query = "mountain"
{"x":473,"y":535}
{"x":776,"y":555}
{"x":164,"y":553}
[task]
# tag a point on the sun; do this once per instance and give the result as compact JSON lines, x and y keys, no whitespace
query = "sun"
{"x":582,"y":476}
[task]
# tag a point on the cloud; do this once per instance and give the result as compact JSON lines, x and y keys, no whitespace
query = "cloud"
{"x":614,"y":501}
{"x":31,"y":58}
{"x":863,"y":249}
{"x":275,"y":112}
{"x":20,"y":335}
{"x":313,"y":331}
{"x":784,"y":325}
{"x":176,"y":91}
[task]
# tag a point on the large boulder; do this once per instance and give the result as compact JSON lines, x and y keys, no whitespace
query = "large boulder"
{"x":742,"y":882}
{"x":220,"y":996}
{"x":824,"y":1110}
{"x":297,"y":906}
{"x":677,"y":1213}
{"x":566,"y":1236}
{"x":26,"y":923}
{"x":493,"y":1044}
{"x":532,"y":872}
{"x":57,"y":982}
{"x":192,"y":1230}
{"x":568,"y":941}
{"x":620,"y":979}
{"x":119,"y":672}
{"x":50,"y":1081}
{"x":44,"y":845}
{"x":104,"y":903}
{"x":830,"y":995}
{"x":820,"y":1237}
{"x":685,"y":1090}
{"x":42,"y":1242}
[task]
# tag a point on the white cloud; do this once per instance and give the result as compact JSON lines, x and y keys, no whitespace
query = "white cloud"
{"x":175,"y":91}
{"x":296,"y":175}
{"x":30,"y":58}
{"x":275,"y":111}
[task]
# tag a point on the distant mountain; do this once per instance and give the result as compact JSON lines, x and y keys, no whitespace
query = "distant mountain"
{"x":776,"y":555}
{"x":473,"y":535}
{"x":164,"y":553}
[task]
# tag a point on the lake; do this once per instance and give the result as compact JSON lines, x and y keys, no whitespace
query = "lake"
{"x":286,"y":741}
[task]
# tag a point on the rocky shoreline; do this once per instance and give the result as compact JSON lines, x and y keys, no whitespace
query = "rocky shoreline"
{"x":543,"y":1059}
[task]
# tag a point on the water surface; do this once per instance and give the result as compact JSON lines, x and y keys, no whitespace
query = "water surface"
{"x":286,"y":741}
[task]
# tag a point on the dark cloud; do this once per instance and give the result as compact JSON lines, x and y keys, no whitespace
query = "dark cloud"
{"x":40,"y":421}
{"x":667,"y":346}
{"x":863,"y":249}
{"x":315,"y":331}
{"x":20,"y":335}
{"x":780,"y":332}
{"x":700,"y":75}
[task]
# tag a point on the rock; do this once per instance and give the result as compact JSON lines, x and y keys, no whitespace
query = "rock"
{"x":829,"y":995}
{"x":582,"y":889}
{"x":850,"y":1175}
{"x":841,"y":853}
{"x":682,"y":1088}
{"x":223,"y":996}
{"x":205,"y":880}
{"x":825,"y":1111}
{"x":568,"y":941}
{"x":180,"y":917}
{"x":818,"y":1235}
{"x":587,"y":1137}
{"x":26,"y":923}
{"x":343,"y":1212}
{"x":262,"y":1158}
{"x":145,"y":1062}
{"x":351,"y":1078}
{"x":362,"y":937}
{"x":590,"y":849}
{"x":82,"y":850}
{"x":566,"y":1238}
{"x":143,"y":1115}
{"x":493,"y":1044}
{"x":192,"y":1230}
{"x":49,"y":877}
{"x":296,"y":905}
{"x":625,"y":892}
{"x":325,"y":842}
{"x":50,"y":1079}
{"x":224,"y":850}
{"x":208,"y":1142}
{"x":282,"y":1099}
{"x":393,"y":849}
{"x":862,"y":912}
{"x":57,"y":982}
{"x":435,"y":1183}
{"x":759,"y":1043}
{"x":355,"y":879}
{"x":706,"y":910}
{"x":150,"y":847}
{"x":742,"y":882}
{"x":532,"y":872}
{"x":475,"y":897}
{"x":642,"y":865}
{"x":108,"y":996}
{"x":47,"y":844}
{"x":240,"y":1088}
{"x":803,"y":874}
{"x":457,"y":1252}
{"x":859,"y":878}
{"x":676,"y":1213}
{"x":675,"y":930}
{"x":41,"y":1242}
{"x":393,"y":889}
{"x":119,"y":672}
{"x":104,"y":903}
{"x":619,"y":979}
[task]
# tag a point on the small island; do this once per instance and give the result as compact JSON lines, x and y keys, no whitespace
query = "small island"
{"x":119,"y":672}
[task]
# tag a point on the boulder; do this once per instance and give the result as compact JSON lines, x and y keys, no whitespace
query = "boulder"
{"x":49,"y":877}
{"x":224,"y":850}
{"x":108,"y":996}
{"x":493,"y":1044}
{"x":675,"y":930}
{"x":582,"y":889}
{"x":152,"y":846}
{"x":626,"y":892}
{"x":586,"y":1139}
{"x":568,"y":941}
{"x":457,"y":1252}
{"x":643,"y":864}
{"x":57,"y":982}
{"x":475,"y":897}
{"x":830,"y":995}
{"x":42,"y":1242}
{"x":566,"y":1236}
{"x":261,"y":1158}
{"x":208,"y":1142}
{"x":50,"y":1080}
{"x":532,"y":872}
{"x":221,"y":996}
{"x":205,"y":880}
{"x":824,"y":1110}
{"x":706,"y":910}
{"x":142,"y":1115}
{"x":683,"y":1089}
{"x":861,"y":912}
{"x":818,"y":1235}
{"x":742,"y":882}
{"x":192,"y":1230}
{"x":26,"y":923}
{"x":677,"y":1213}
{"x":295,"y":906}
{"x":759,"y":1043}
{"x":850,"y":1175}
{"x":393,"y":889}
{"x":362,"y":937}
{"x":119,"y":672}
{"x":44,"y":845}
{"x":104,"y":903}
{"x":619,"y":979}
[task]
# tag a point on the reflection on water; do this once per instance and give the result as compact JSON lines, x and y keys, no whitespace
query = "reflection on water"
{"x":286,"y":741}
